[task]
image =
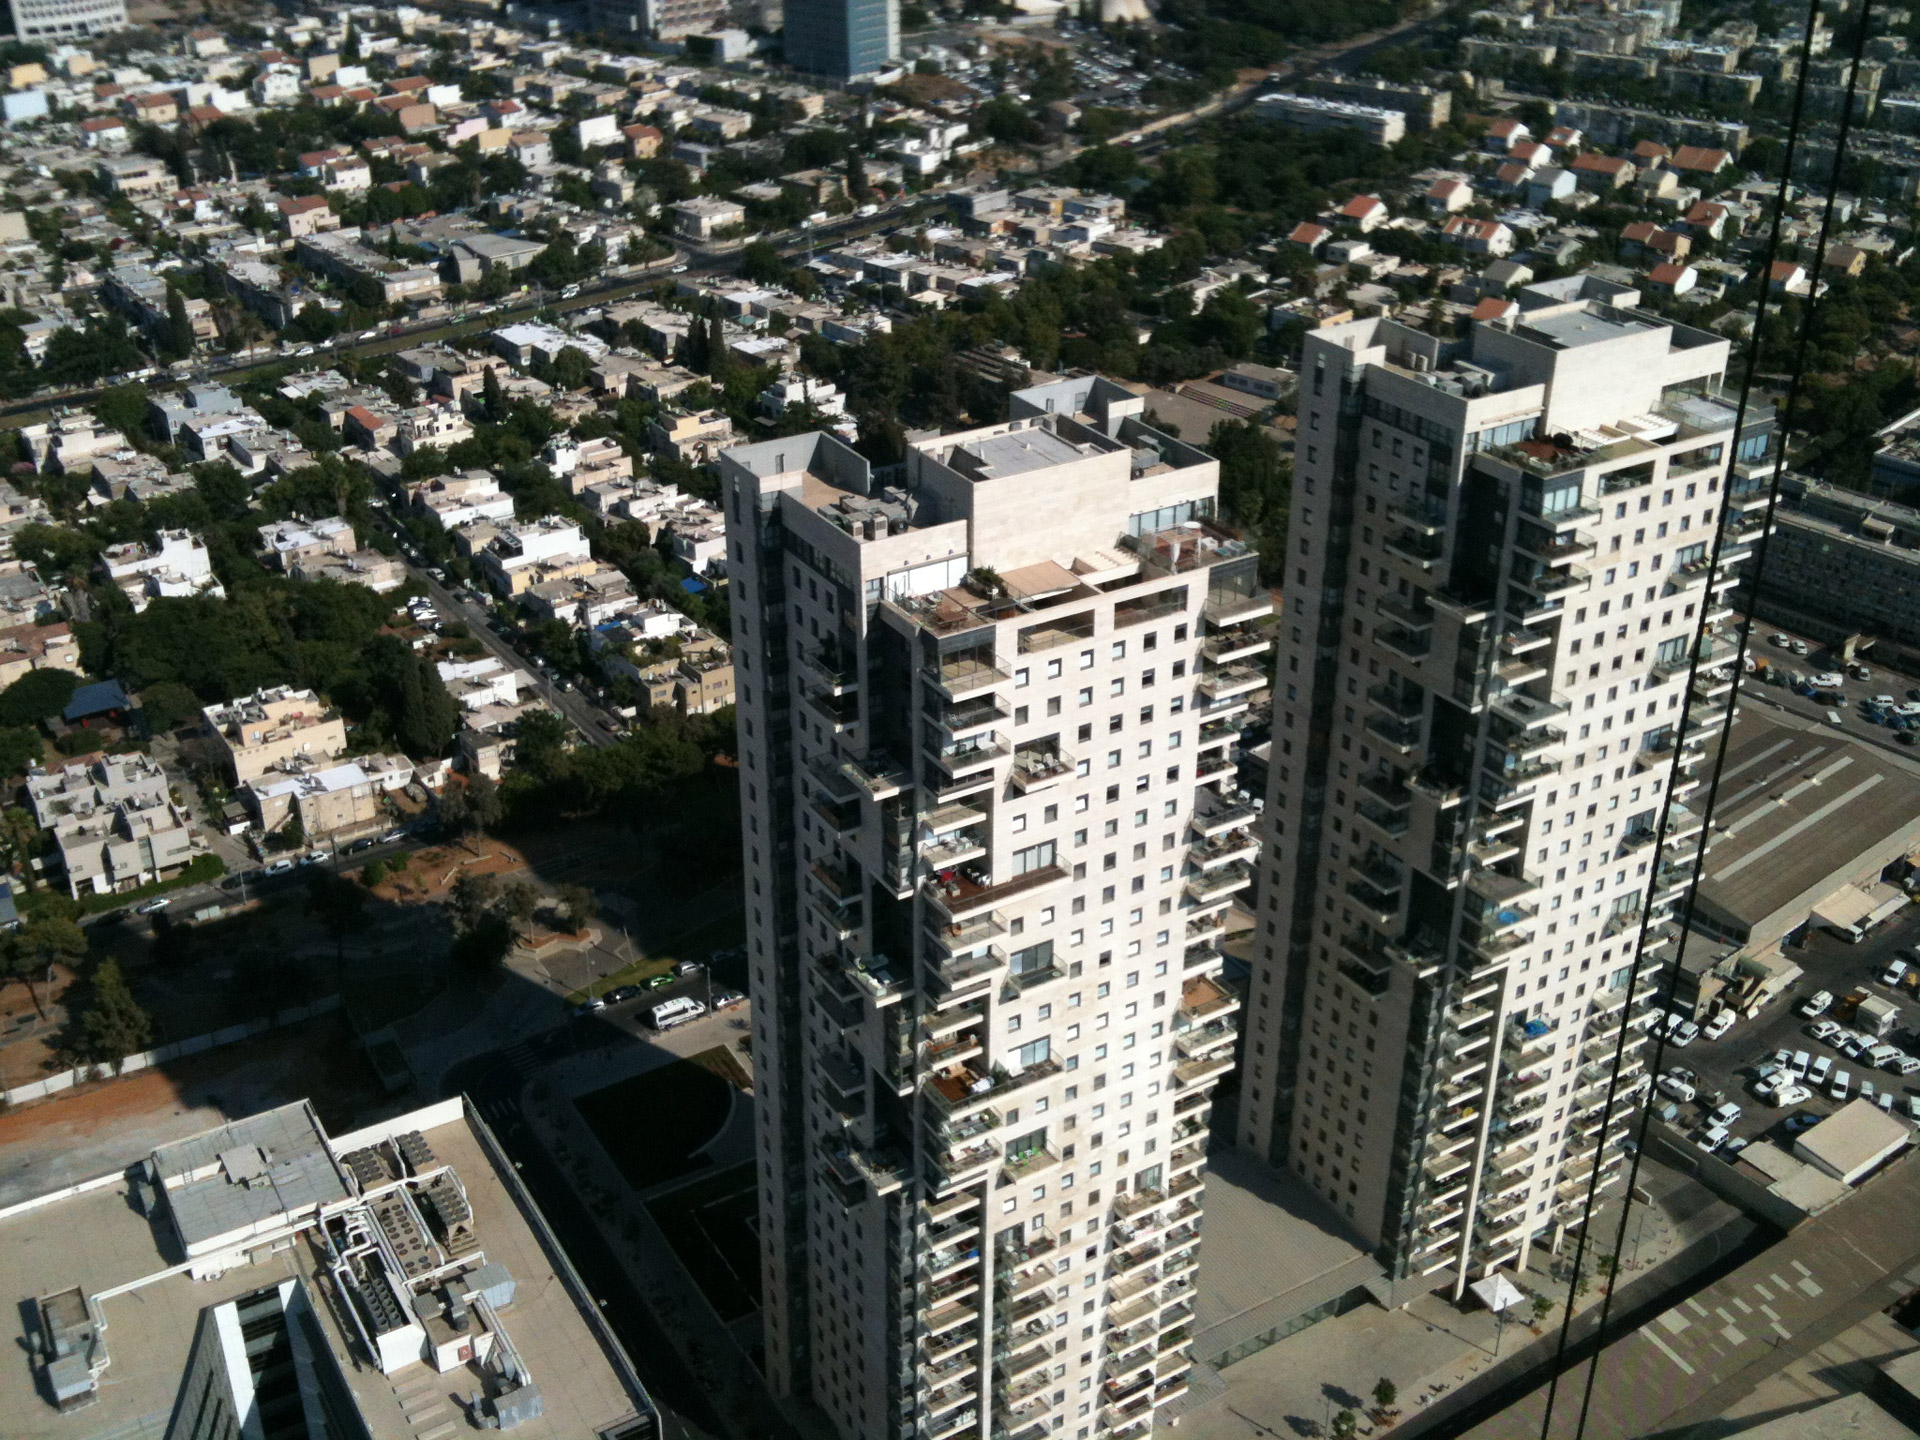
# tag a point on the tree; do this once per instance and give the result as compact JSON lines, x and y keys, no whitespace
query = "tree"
{"x":339,"y":905}
{"x":20,"y":747}
{"x":484,"y":946}
{"x":762,"y":262}
{"x":578,"y":903}
{"x":1385,"y":1393}
{"x":179,"y":327}
{"x":539,"y":736}
{"x":373,"y":872}
{"x":490,"y":392}
{"x":518,"y":902}
{"x":167,"y":705}
{"x":483,"y":802}
{"x":1345,"y":1424}
{"x":37,"y":695}
{"x":572,"y":370}
{"x":1541,"y":1307}
{"x":34,"y":949}
{"x":471,"y":898}
{"x":113,"y":1026}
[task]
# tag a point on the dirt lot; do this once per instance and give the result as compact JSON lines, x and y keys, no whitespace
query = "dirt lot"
{"x":96,"y":1128}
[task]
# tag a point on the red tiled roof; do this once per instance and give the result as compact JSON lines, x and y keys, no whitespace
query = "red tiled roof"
{"x":1698,"y":157}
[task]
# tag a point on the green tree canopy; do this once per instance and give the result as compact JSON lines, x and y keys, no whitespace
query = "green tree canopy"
{"x":36,"y":696}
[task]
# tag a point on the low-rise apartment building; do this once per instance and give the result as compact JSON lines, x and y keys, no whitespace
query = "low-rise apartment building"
{"x":524,"y":555}
{"x":281,"y":729}
{"x":339,"y":803}
{"x":26,"y":648}
{"x":113,"y":823}
{"x":695,"y":436}
{"x":462,"y":499}
{"x":178,"y":567}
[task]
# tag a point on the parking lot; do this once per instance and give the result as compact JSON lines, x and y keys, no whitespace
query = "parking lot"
{"x":1783,"y":661}
{"x":1725,"y":1068}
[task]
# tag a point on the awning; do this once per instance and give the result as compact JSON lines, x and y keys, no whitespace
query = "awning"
{"x":1497,"y":1292}
{"x":1844,"y":909}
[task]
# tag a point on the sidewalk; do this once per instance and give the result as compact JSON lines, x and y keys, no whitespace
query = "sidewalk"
{"x":1432,"y":1347}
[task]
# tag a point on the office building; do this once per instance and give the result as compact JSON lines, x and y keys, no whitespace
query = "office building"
{"x":1822,"y":532}
{"x":1500,"y":563}
{"x":66,"y":19}
{"x":662,"y":19}
{"x":841,"y":40}
{"x":985,"y":718}
{"x":265,"y":1279}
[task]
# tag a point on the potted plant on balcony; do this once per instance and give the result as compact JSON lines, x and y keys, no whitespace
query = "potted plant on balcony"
{"x":985,"y":581}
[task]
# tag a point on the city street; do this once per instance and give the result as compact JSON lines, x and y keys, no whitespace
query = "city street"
{"x":595,"y":725}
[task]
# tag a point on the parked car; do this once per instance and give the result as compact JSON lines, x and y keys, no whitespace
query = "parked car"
{"x":1721,"y":1022}
{"x":1676,"y":1087}
{"x":1823,"y":1030}
{"x":1682,"y":1034}
{"x":659,"y":982}
{"x":153,"y":906}
{"x":1817,"y":1003}
{"x":727,"y":999}
{"x":1792,"y":1095}
{"x":1726,"y":1114}
{"x":1894,"y":973}
{"x":278,"y":867}
{"x":1803,"y":1121}
{"x":1822,"y":1068}
{"x":1712,"y":1138}
{"x":588,"y":1007}
{"x":688,"y":967}
{"x":620,"y":994}
{"x":1841,"y":1083}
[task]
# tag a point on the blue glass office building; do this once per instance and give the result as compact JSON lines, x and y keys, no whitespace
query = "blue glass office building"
{"x":842,"y":39}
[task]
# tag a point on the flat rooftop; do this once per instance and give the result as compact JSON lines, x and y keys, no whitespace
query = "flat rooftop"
{"x":98,"y":1240}
{"x":1800,"y":810}
{"x":249,"y":1172}
{"x":1577,"y":328}
{"x":996,"y":456}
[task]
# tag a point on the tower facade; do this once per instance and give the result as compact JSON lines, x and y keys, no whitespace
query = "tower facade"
{"x":841,"y":39}
{"x":1499,"y":568}
{"x":986,"y":705}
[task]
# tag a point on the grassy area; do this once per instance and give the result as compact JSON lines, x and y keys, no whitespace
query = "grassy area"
{"x":710,"y":1224}
{"x":695,"y":944}
{"x":652,"y":1124}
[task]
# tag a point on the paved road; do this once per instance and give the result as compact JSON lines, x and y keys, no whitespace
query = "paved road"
{"x":587,"y":718}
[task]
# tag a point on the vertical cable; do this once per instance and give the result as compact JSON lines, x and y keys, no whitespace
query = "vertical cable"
{"x":1771,"y":251}
{"x":1802,"y":342}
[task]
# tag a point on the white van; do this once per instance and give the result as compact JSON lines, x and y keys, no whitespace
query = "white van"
{"x":669,"y":1013}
